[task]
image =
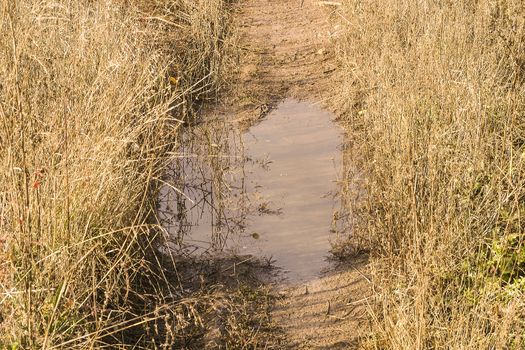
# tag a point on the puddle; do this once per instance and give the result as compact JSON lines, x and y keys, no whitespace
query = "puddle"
{"x":269,"y":191}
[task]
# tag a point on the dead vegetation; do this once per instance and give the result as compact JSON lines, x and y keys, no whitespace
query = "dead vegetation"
{"x":92,"y":96}
{"x":434,"y":97}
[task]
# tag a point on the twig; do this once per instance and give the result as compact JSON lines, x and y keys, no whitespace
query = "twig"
{"x":329,"y":3}
{"x":235,"y":264}
{"x":362,"y":274}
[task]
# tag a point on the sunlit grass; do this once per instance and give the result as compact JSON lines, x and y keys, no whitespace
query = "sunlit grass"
{"x":92,"y":96}
{"x":435,"y":97}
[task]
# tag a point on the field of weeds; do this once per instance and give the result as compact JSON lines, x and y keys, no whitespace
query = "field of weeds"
{"x":435,"y":99}
{"x":92,"y":97}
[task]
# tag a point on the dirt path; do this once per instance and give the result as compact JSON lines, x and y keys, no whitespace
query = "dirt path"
{"x":326,"y":313}
{"x":287,"y":52}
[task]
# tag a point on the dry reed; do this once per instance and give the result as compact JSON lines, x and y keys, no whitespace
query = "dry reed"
{"x":435,"y":99}
{"x":92,"y":94}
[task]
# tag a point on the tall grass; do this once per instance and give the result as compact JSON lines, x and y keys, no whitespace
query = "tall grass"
{"x":435,"y":102}
{"x":92,"y":94}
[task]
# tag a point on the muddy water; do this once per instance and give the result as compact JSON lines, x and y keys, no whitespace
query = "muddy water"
{"x":269,"y":191}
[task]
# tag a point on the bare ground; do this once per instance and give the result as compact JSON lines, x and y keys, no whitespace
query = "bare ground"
{"x":287,"y":51}
{"x":326,"y":313}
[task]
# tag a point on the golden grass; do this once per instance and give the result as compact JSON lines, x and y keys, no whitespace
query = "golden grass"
{"x":92,"y":94}
{"x":435,"y":97}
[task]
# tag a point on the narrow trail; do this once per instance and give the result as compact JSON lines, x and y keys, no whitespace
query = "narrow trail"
{"x":326,"y":313}
{"x":288,"y":52}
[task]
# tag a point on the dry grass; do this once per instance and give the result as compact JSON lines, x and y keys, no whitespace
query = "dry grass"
{"x":92,"y":94}
{"x":435,"y":97}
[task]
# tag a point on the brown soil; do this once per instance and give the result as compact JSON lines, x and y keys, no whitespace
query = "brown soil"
{"x":288,"y":51}
{"x":326,"y":313}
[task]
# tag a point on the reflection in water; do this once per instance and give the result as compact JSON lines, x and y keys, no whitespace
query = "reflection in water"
{"x":268,"y":192}
{"x":202,"y":193}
